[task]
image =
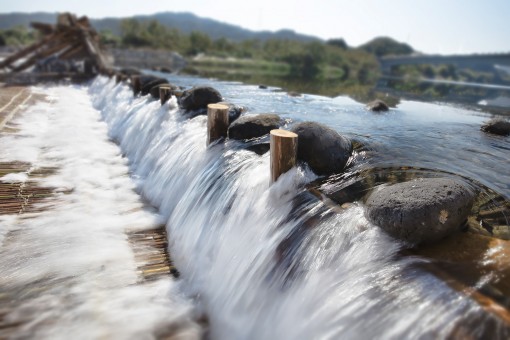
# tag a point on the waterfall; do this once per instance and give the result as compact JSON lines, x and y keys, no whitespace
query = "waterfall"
{"x":267,"y":261}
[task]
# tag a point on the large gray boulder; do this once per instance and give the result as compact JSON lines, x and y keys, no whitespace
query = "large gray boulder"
{"x":198,"y":98}
{"x":253,"y":126}
{"x":497,"y":126}
{"x":324,"y":149}
{"x":420,"y":211}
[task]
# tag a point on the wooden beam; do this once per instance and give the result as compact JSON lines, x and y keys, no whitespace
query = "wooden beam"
{"x":40,"y":55}
{"x":72,"y":51}
{"x":95,"y":52}
{"x":20,"y":54}
{"x":165,"y":92}
{"x":43,"y":27}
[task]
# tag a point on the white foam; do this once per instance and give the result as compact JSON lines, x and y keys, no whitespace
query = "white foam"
{"x":77,"y":249}
{"x":15,"y":177}
{"x":228,"y":228}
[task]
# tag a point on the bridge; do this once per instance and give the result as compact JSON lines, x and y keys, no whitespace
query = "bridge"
{"x":479,"y":62}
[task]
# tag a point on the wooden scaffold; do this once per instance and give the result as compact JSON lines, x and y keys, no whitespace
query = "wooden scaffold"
{"x":70,"y":48}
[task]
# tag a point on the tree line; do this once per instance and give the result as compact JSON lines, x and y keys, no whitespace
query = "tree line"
{"x":306,"y":60}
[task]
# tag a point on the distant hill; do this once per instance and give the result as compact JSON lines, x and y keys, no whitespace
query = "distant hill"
{"x":185,"y":22}
{"x":8,"y":20}
{"x":383,"y":46}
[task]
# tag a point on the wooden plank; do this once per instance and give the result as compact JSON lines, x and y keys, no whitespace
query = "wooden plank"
{"x":43,"y":27}
{"x":20,"y":54}
{"x":73,"y":52}
{"x":42,"y":54}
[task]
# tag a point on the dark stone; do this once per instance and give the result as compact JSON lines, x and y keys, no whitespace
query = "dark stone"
{"x":259,"y":149}
{"x":253,"y":126}
{"x":234,"y":111}
{"x":324,"y":149}
{"x":420,"y":211}
{"x":263,"y":87}
{"x":378,"y":106}
{"x":154,"y":91}
{"x":294,"y":94}
{"x":130,"y":71}
{"x":165,"y":69}
{"x":198,"y":98}
{"x":497,"y":126}
{"x":147,"y":86}
{"x":142,"y":81}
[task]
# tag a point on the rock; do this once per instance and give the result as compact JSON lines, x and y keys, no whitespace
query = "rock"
{"x":420,"y":211}
{"x":262,"y":86}
{"x":324,"y":149}
{"x":378,"y":106}
{"x":253,"y":126}
{"x":198,"y":98}
{"x":165,"y":69}
{"x":497,"y":126}
{"x":130,"y":71}
{"x":293,"y":94}
{"x":147,"y":86}
{"x":137,"y":82}
{"x":234,"y":111}
{"x":154,"y":91}
{"x":259,"y":149}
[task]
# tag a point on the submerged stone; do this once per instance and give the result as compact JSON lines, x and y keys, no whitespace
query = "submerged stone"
{"x":497,"y":126}
{"x":378,"y":106}
{"x":420,"y":211}
{"x":234,"y":111}
{"x":324,"y":149}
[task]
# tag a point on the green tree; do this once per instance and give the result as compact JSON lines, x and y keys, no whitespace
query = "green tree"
{"x":386,"y":46}
{"x":134,"y":33}
{"x":199,"y":43}
{"x":18,"y":36}
{"x":338,"y":42}
{"x":306,"y":64}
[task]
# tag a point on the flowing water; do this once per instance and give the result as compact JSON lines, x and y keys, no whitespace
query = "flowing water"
{"x":266,"y":261}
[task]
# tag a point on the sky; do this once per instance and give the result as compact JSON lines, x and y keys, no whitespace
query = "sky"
{"x":429,"y":26}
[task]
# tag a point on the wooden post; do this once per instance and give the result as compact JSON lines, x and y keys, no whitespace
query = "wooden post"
{"x":217,"y":122}
{"x":283,"y":152}
{"x":165,"y":92}
{"x":136,"y":84}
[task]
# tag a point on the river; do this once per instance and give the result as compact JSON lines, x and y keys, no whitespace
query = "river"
{"x":229,"y":229}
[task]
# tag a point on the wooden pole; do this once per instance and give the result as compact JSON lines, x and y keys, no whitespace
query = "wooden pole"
{"x":165,"y":92}
{"x":283,"y":152}
{"x":217,"y":122}
{"x":136,"y":84}
{"x":120,"y":77}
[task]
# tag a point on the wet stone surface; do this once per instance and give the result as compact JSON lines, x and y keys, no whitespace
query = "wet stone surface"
{"x":420,"y":211}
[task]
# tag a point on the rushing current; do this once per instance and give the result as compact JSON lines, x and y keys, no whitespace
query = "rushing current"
{"x":257,"y":260}
{"x":229,"y":229}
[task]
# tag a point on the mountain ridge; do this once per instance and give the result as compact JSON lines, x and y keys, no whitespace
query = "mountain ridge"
{"x":184,"y":21}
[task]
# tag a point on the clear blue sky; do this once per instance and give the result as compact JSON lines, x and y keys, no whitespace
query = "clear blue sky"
{"x":430,"y":26}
